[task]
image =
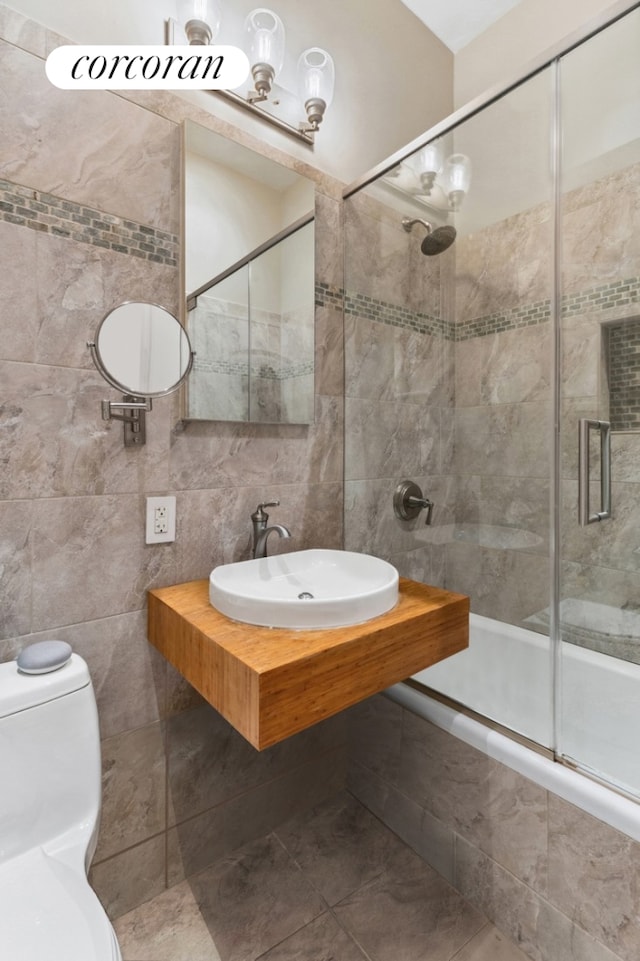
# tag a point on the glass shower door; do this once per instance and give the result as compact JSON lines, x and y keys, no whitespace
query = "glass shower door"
{"x":598,"y":684}
{"x":449,"y":383}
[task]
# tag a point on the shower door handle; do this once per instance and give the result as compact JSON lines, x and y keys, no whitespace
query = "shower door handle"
{"x":584,"y":512}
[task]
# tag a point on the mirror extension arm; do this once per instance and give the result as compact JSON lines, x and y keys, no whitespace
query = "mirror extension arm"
{"x":135,"y":426}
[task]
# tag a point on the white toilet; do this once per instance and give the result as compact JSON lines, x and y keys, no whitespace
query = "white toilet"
{"x":50,"y":791}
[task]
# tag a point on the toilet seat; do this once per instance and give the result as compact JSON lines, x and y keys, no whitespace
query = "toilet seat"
{"x":48,"y":911}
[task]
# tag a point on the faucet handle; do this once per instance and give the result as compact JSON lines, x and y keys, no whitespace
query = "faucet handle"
{"x":260,"y":514}
{"x":422,"y":503}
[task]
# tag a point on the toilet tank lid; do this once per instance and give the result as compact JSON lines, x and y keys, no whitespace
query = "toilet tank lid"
{"x":19,"y":691}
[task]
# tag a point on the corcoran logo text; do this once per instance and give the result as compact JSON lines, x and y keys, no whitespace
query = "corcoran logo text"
{"x":147,"y":67}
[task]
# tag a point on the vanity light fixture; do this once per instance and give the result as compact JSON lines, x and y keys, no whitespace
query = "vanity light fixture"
{"x":437,"y":183}
{"x":263,"y":41}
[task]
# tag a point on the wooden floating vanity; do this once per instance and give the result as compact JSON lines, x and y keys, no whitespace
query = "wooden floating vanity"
{"x":270,"y":683}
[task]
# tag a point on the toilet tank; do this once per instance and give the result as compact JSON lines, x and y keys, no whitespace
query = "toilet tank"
{"x":49,"y":761}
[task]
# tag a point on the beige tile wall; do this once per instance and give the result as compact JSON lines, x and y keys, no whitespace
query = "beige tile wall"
{"x":398,"y":388}
{"x":82,"y":175}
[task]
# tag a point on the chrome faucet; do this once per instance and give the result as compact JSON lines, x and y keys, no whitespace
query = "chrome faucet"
{"x":261,"y":532}
{"x":260,"y":550}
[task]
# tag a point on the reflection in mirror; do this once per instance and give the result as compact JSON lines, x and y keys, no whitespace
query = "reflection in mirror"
{"x":253,"y":333}
{"x":219,"y":327}
{"x":250,"y":290}
{"x":282,"y":332}
{"x":142,"y":349}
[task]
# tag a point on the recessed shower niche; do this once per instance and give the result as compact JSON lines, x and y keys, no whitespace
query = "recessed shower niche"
{"x":621,"y":350}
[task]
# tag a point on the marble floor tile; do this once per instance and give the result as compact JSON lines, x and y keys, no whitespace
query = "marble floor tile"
{"x":322,"y":940}
{"x":489,"y":945}
{"x":340,"y":846}
{"x":168,"y":928}
{"x":268,"y":902}
{"x":409,"y":913}
{"x":254,"y":899}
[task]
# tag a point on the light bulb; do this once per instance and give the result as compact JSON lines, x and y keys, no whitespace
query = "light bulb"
{"x":264,"y":45}
{"x":428,"y":164}
{"x":200,"y":19}
{"x":316,"y":79}
{"x":458,"y":178}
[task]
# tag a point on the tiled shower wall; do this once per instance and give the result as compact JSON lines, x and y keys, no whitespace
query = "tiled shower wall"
{"x":89,"y":215}
{"x":503,"y":418}
{"x":449,"y":381}
{"x":398,"y":389}
{"x":600,"y":286}
{"x":503,"y":397}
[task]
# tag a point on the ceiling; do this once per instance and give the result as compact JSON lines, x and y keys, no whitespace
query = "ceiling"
{"x":457,"y":22}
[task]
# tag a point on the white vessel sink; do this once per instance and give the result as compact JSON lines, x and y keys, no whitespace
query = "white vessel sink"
{"x":305,"y":589}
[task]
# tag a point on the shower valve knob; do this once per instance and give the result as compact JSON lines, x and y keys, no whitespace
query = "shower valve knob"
{"x":408,"y":502}
{"x":422,"y":503}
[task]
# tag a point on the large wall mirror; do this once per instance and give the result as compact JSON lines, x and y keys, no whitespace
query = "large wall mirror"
{"x":249,"y":280}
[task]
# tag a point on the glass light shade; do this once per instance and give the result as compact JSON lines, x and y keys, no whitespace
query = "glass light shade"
{"x":195,"y":15}
{"x":264,"y":38}
{"x":458,"y":174}
{"x":427,"y":163}
{"x":316,"y":75}
{"x":429,"y":159}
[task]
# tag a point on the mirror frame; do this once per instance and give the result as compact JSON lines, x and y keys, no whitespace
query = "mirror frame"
{"x":112,"y":380}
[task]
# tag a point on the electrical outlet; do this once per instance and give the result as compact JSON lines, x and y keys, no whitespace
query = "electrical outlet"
{"x":161,"y":520}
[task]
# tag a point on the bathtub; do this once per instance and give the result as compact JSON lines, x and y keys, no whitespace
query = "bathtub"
{"x":506,"y":675}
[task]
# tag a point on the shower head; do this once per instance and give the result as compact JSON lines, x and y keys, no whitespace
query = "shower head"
{"x":436,"y":240}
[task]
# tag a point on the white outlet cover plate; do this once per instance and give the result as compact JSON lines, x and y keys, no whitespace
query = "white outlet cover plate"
{"x":169,"y":502}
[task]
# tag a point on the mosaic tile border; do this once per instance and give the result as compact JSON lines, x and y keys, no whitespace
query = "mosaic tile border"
{"x":290,"y":372}
{"x":260,"y":371}
{"x":329,"y":296}
{"x":394,"y":316}
{"x":618,"y":293}
{"x":54,"y":215}
{"x":225,"y":367}
{"x":529,"y":315}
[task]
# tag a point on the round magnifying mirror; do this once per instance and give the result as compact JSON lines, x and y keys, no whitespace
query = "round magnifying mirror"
{"x":142,"y":350}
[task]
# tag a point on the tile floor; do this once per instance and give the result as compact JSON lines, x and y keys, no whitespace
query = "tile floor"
{"x":332,"y":885}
